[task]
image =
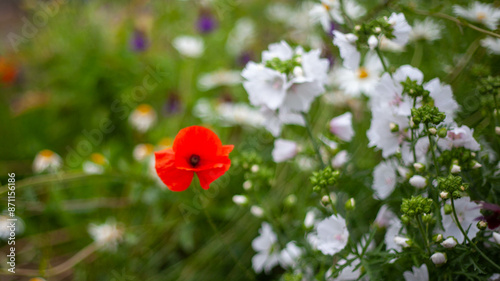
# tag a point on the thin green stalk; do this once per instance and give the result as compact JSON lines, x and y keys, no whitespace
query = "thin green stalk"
{"x":431,"y":147}
{"x":379,"y":54}
{"x":315,"y":145}
{"x":457,"y":222}
{"x":417,"y":55}
{"x":413,"y":141}
{"x":495,"y":118}
{"x":424,"y":235}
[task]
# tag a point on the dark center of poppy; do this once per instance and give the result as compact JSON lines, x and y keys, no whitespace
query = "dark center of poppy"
{"x":194,"y":160}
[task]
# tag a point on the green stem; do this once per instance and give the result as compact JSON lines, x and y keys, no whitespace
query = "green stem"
{"x":424,"y":235}
{"x":431,"y":147}
{"x":496,"y":109}
{"x":314,"y":144}
{"x":467,"y":237}
{"x":413,"y":141}
{"x":379,"y":54}
{"x":417,"y":55}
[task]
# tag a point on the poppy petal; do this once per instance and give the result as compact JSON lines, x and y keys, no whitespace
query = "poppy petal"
{"x":175,"y":179}
{"x":196,"y":140}
{"x":226,"y":149}
{"x":206,"y":177}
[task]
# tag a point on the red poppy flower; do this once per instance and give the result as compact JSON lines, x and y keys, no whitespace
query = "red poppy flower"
{"x":8,"y":71}
{"x":195,"y":150}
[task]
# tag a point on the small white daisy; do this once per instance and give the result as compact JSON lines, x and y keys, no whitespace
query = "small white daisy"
{"x":427,"y":30}
{"x":492,"y":45}
{"x":219,"y":78}
{"x":189,"y":46}
{"x":106,"y":235}
{"x":143,"y":151}
{"x":360,"y":80}
{"x":483,"y":13}
{"x":47,"y":160}
{"x":143,"y":118}
{"x":95,"y":165}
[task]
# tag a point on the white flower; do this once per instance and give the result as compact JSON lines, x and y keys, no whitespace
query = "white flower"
{"x":267,"y":248}
{"x":492,"y":45}
{"x":425,"y":30}
{"x":340,"y":159}
{"x":402,"y":241}
{"x":264,"y":86}
{"x":46,"y":160}
{"x":494,"y":277}
{"x":240,"y":199}
{"x":231,"y":114}
{"x":284,"y":150}
{"x":341,"y":126}
{"x":479,"y":12}
{"x":310,"y":218}
{"x":392,"y":232}
{"x":5,"y":226}
{"x":384,"y":216}
{"x":496,"y":237}
{"x":274,"y":121}
{"x":455,"y":169}
{"x":449,"y":243}
{"x":419,"y":274}
{"x":384,"y":179}
{"x":189,"y":46}
{"x":439,"y":258}
{"x":467,"y":211}
{"x":443,"y":98}
{"x":348,"y":273}
{"x":143,"y":118}
{"x":401,"y":28}
{"x":241,"y":36}
{"x":289,"y":255}
{"x":389,"y":45}
{"x":348,"y":50}
{"x":418,"y":181}
{"x":330,"y":9}
{"x":359,"y":80}
{"x":95,"y":165}
{"x":257,"y":211}
{"x":143,"y":151}
{"x":459,"y":137}
{"x":106,"y":235}
{"x":331,"y":235}
{"x":218,"y":78}
{"x":372,"y":42}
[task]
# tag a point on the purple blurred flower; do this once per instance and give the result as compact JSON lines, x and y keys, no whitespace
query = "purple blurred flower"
{"x":173,"y":104}
{"x":139,"y":41}
{"x":244,"y":58}
{"x":491,"y":214}
{"x":206,"y":23}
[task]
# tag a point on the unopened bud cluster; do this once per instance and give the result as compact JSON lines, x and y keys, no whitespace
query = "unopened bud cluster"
{"x":427,"y":114}
{"x":284,"y":66}
{"x":452,"y":186}
{"x":324,"y":178}
{"x":416,"y":206}
{"x":413,"y":89}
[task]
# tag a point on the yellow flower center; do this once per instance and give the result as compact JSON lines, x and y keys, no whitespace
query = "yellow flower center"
{"x":46,"y":153}
{"x":326,"y":6}
{"x":144,"y":109}
{"x":362,"y":73}
{"x":480,"y":16}
{"x":98,"y":158}
{"x":166,"y":142}
{"x":148,"y":148}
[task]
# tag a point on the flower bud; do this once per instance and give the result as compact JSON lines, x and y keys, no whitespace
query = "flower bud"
{"x":437,"y":238}
{"x":310,"y":219}
{"x":449,"y":243}
{"x":476,"y":165}
{"x":405,"y":219}
{"x":418,"y":181}
{"x":351,"y":38}
{"x":247,"y":185}
{"x":482,"y":225}
{"x":473,"y":154}
{"x":325,"y":200}
{"x":455,"y":169}
{"x":442,"y":133}
{"x":377,"y":30}
{"x":255,"y":168}
{"x":257,"y":211}
{"x":419,"y":167}
{"x":290,"y":200}
{"x":298,"y":72}
{"x":427,"y":218}
{"x":372,"y":42}
{"x":240,"y":200}
{"x":357,"y":27}
{"x":444,"y":195}
{"x":402,"y":241}
{"x":350,"y":204}
{"x":394,"y":127}
{"x":439,"y":258}
{"x":448,"y":209}
{"x":432,"y":131}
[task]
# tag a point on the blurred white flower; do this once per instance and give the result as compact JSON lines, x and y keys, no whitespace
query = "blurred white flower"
{"x":284,"y":150}
{"x":240,"y":199}
{"x":95,"y":165}
{"x":419,"y":274}
{"x":274,"y":121}
{"x":393,"y":231}
{"x":340,"y":159}
{"x":467,"y":212}
{"x":47,"y":160}
{"x":143,"y":151}
{"x":486,"y":14}
{"x":492,"y":45}
{"x":402,"y":241}
{"x":384,"y":216}
{"x":330,"y":9}
{"x":290,"y":255}
{"x":231,"y":114}
{"x":310,"y":219}
{"x":494,"y":277}
{"x":443,"y":98}
{"x":496,"y":237}
{"x":5,"y":226}
{"x":384,"y":179}
{"x":439,"y":258}
{"x":427,"y":30}
{"x":189,"y":46}
{"x":241,"y":36}
{"x":143,"y":118}
{"x":361,"y":79}
{"x":459,"y":137}
{"x":401,"y":28}
{"x":106,"y":235}
{"x":348,"y":49}
{"x":341,"y":126}
{"x":389,"y":45}
{"x":418,"y":181}
{"x":267,"y":248}
{"x":218,"y":78}
{"x":331,"y":235}
{"x":349,"y":272}
{"x":257,"y":211}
